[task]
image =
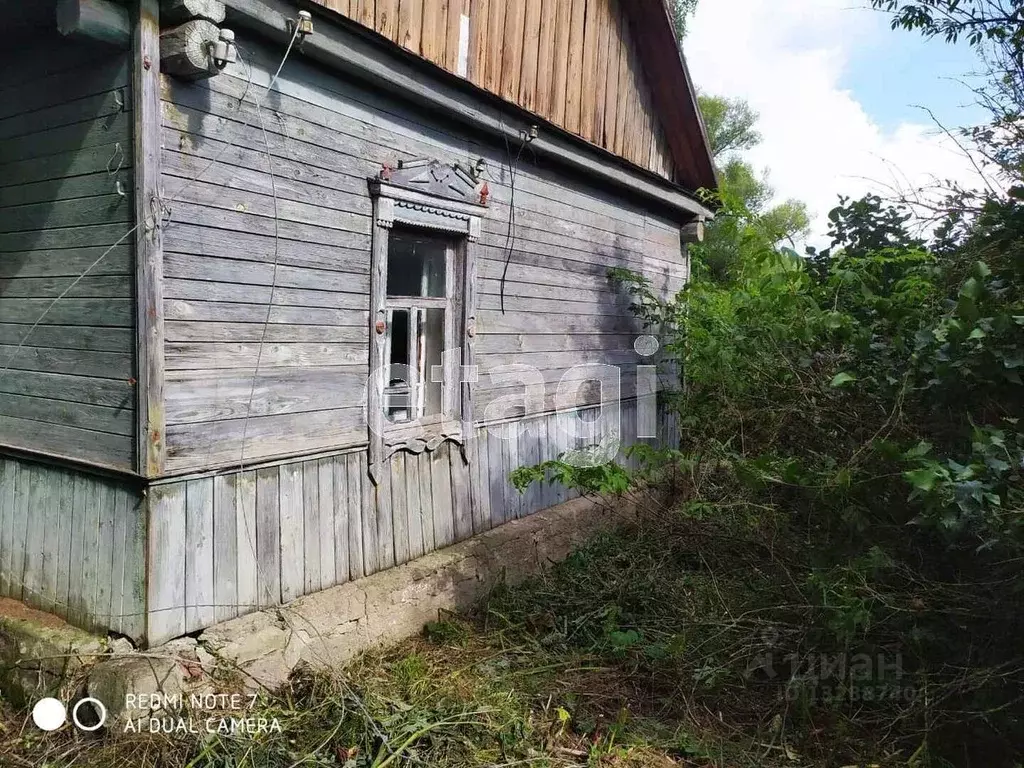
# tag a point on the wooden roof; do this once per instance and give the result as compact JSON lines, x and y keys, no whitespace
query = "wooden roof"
{"x":578,"y":64}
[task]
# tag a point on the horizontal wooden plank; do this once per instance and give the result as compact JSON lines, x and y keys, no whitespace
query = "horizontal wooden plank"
{"x":213,"y":291}
{"x":95,"y":107}
{"x":180,"y":309}
{"x":104,"y":209}
{"x":69,"y":263}
{"x":115,"y":451}
{"x":316,"y":217}
{"x":208,"y":445}
{"x":197,"y":396}
{"x":568,"y":342}
{"x":109,"y":365}
{"x":115,"y":421}
{"x":239,"y":250}
{"x":72,"y":337}
{"x":67,"y":164}
{"x":103,"y":73}
{"x":107,"y":235}
{"x":89,"y":133}
{"x":192,"y":356}
{"x":257,"y":273}
{"x":612,"y":306}
{"x":113,"y":393}
{"x":70,"y":188}
{"x":285,"y":182}
{"x":239,"y":221}
{"x":88,"y":287}
{"x":190,"y":332}
{"x":68,"y":311}
{"x":491,"y":321}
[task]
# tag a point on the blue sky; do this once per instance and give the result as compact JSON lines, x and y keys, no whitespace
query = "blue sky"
{"x":836,"y":91}
{"x":890,"y":72}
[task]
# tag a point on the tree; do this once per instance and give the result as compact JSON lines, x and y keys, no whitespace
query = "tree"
{"x":729,"y":124}
{"x":681,"y":11}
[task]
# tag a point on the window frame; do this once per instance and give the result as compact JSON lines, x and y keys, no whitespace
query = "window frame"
{"x":434,"y":199}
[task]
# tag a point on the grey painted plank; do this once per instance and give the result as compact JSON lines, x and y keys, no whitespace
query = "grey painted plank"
{"x":108,"y":235}
{"x":441,"y":501}
{"x":215,"y":444}
{"x":325,"y":506}
{"x":67,"y":164}
{"x":109,"y":313}
{"x":120,"y":513}
{"x":32,"y":572}
{"x":495,"y":479}
{"x":412,"y":505}
{"x":133,"y":605}
{"x":462,"y":511}
{"x":292,"y":532}
{"x":308,"y":269}
{"x":268,"y":537}
{"x":114,"y":421}
{"x":198,"y":396}
{"x":22,"y":506}
{"x":240,"y":312}
{"x":8,"y":480}
{"x":78,"y":338}
{"x":82,"y":135}
{"x":95,"y":107}
{"x":246,"y":293}
{"x":207,"y":355}
{"x":105,"y":208}
{"x":245,"y":531}
{"x":75,"y":389}
{"x":385,"y":520}
{"x":400,"y":508}
{"x":339,"y":471}
{"x":81,"y":509}
{"x":355,"y":477}
{"x":101,"y":579}
{"x":225,"y":548}
{"x":108,"y":365}
{"x":69,"y":263}
{"x":426,"y":500}
{"x":185,"y":334}
{"x":107,"y":450}
{"x":199,"y":553}
{"x":73,"y":287}
{"x":310,"y":552}
{"x":479,"y":469}
{"x":369,"y":514}
{"x":107,"y":72}
{"x":192,"y":240}
{"x":166,"y":599}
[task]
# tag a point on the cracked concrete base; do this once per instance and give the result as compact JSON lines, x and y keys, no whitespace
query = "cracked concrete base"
{"x":327,"y":628}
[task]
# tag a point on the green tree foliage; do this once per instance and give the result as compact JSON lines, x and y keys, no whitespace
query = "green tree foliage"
{"x":746,"y":222}
{"x":681,"y":11}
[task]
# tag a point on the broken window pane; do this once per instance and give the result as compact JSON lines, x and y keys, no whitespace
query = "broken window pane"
{"x":411,"y":391}
{"x":416,"y":265}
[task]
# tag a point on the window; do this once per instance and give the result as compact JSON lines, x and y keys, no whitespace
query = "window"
{"x":420,"y":323}
{"x":426,"y":219}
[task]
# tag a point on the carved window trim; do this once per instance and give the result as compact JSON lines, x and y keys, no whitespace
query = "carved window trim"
{"x":435,"y":198}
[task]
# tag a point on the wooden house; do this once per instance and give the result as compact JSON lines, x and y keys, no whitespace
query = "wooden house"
{"x":282,"y":306}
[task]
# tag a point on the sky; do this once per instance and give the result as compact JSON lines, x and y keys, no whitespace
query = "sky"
{"x":839,"y":95}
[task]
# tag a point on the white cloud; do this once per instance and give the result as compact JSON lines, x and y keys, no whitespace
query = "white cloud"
{"x":787,"y":59}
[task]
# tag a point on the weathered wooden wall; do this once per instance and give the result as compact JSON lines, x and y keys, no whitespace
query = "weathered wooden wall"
{"x":573,"y":62}
{"x":228,"y":544}
{"x":73,"y":543}
{"x":223,"y":292}
{"x":65,"y":146}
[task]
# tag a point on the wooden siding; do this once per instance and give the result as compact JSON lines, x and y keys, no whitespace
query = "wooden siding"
{"x":572,"y":62}
{"x":225,"y":545}
{"x":240,"y":269}
{"x":65,"y":145}
{"x":72,"y":544}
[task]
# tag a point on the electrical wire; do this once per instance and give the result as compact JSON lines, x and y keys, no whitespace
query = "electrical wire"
{"x":510,"y":237}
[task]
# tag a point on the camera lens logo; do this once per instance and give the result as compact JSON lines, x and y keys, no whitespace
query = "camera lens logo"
{"x":49,"y":714}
